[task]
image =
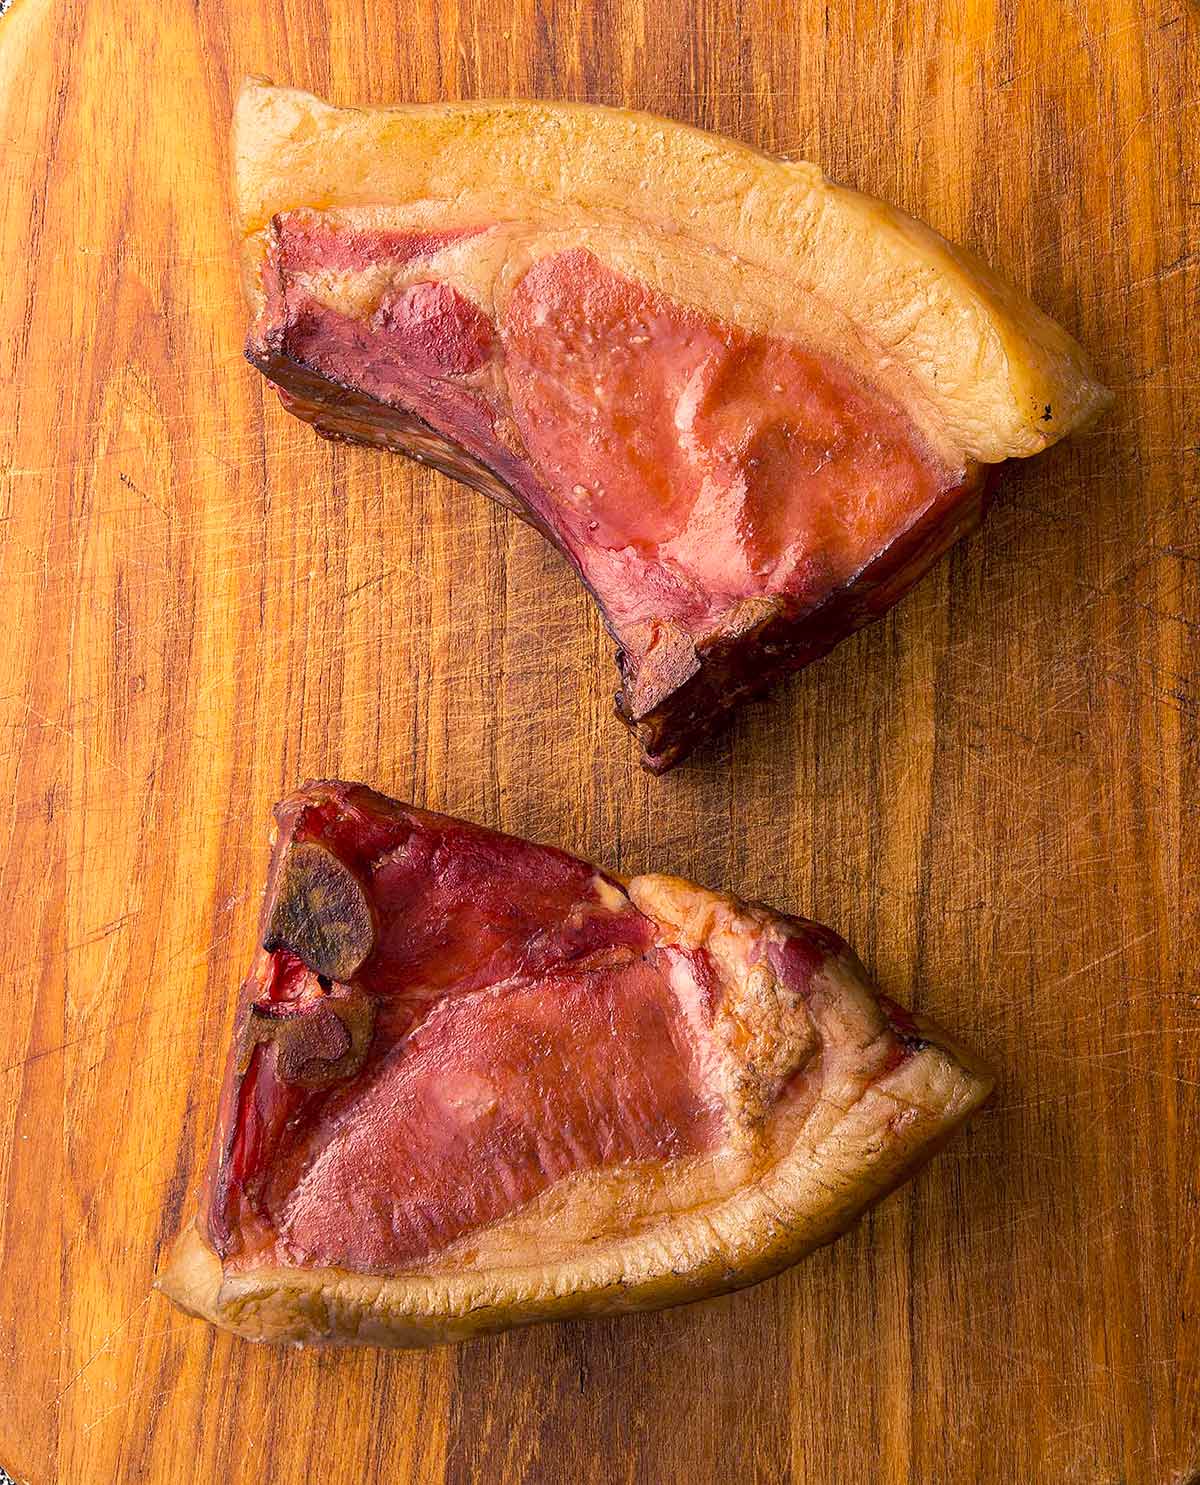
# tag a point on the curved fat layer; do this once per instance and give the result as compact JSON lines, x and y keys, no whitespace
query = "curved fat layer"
{"x":570,"y":1094}
{"x":1006,"y":379}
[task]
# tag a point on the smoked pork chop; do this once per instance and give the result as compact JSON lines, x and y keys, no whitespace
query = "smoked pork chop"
{"x":751,"y":407}
{"x":476,"y":1082}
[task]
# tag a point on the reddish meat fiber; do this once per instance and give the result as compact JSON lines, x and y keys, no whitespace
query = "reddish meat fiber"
{"x":524,"y":1029}
{"x":736,"y":502}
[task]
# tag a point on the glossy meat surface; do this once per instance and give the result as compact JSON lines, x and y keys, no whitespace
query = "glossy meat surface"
{"x":511,"y":1020}
{"x":476,"y":1082}
{"x":735,"y":501}
{"x":691,"y":464}
{"x":524,"y":1028}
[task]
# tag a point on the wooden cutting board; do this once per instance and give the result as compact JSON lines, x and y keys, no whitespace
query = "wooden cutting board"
{"x":993,"y":793}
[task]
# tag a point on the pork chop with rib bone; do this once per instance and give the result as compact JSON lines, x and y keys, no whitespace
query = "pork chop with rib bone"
{"x":750,"y":407}
{"x":476,"y":1082}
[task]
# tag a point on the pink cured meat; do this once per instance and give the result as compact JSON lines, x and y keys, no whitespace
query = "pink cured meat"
{"x":476,"y":1082}
{"x":523,"y":1030}
{"x":525,"y":1025}
{"x":736,"y":502}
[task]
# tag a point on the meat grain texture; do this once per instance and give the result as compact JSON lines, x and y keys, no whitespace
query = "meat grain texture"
{"x":542,"y":1091}
{"x":749,"y":406}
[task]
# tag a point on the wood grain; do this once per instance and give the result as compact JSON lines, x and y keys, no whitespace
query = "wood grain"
{"x":993,"y":793}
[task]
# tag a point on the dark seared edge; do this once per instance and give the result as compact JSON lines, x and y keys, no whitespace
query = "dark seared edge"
{"x":743,"y":663}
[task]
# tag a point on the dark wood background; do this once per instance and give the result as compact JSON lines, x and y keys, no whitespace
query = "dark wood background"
{"x":993,"y":793}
